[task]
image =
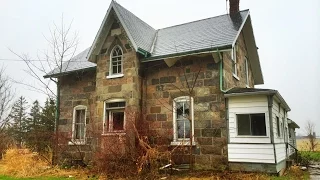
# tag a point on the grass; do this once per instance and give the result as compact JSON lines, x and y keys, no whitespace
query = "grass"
{"x":303,"y":145}
{"x":293,"y":173}
{"x":32,"y":178}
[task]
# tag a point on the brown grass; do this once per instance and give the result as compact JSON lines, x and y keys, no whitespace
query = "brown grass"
{"x":303,"y":145}
{"x":24,"y":163}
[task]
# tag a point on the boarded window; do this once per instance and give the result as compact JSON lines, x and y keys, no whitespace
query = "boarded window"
{"x":251,"y":124}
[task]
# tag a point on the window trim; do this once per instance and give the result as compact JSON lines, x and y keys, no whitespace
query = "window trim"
{"x":73,"y":140}
{"x":278,"y":126}
{"x":111,"y":74}
{"x":176,"y":140}
{"x":234,"y":62}
{"x":247,"y":72}
{"x":105,"y":126}
{"x":251,"y":136}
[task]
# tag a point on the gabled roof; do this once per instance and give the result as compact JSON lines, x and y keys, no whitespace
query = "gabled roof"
{"x":220,"y":32}
{"x":77,"y":63}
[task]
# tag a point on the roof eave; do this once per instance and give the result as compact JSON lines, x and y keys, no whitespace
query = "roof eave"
{"x":55,"y":75}
{"x":200,"y":51}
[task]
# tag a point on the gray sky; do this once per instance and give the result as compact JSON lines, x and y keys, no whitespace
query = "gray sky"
{"x":287,"y":33}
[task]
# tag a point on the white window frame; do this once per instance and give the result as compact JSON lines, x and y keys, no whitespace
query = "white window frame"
{"x":251,"y":136}
{"x":107,"y":128}
{"x":182,"y":141}
{"x":111,"y":74}
{"x":234,"y":63}
{"x":78,"y":141}
{"x":247,"y":72}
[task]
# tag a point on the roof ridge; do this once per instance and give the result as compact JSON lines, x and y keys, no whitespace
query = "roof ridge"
{"x":133,"y":14}
{"x":199,"y":20}
{"x":154,"y":41}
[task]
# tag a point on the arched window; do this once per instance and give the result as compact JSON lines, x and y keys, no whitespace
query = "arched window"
{"x":79,"y":125}
{"x":183,"y":120}
{"x":116,"y":64}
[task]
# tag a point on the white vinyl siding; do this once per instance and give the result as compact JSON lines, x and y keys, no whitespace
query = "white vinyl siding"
{"x":255,"y":153}
{"x":280,"y":152}
{"x":247,"y":105}
{"x":283,"y":124}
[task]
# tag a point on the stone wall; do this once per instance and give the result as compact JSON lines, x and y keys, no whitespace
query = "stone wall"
{"x":229,"y":80}
{"x":162,"y":84}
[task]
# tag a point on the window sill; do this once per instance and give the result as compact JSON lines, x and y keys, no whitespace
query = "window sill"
{"x":114,"y":134}
{"x":115,"y":76}
{"x":182,"y":143}
{"x":76,"y":142}
{"x":252,"y":136}
{"x":235,"y":76}
{"x":247,"y":86}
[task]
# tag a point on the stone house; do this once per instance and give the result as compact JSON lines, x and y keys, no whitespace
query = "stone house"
{"x":170,"y":84}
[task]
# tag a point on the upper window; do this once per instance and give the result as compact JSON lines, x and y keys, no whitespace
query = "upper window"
{"x":247,"y":71}
{"x":116,"y":61}
{"x":114,"y":116}
{"x":251,"y":124}
{"x":234,"y":60}
{"x":183,"y":118}
{"x":79,"y":124}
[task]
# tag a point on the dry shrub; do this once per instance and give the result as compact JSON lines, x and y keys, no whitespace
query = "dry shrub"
{"x":24,"y":163}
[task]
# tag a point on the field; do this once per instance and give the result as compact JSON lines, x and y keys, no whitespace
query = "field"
{"x":303,"y":144}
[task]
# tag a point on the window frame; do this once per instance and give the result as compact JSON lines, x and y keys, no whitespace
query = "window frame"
{"x":182,"y":141}
{"x":107,"y":126}
{"x":247,"y":71}
{"x":278,"y":127}
{"x":252,"y":136}
{"x":111,"y":73}
{"x":73,"y":140}
{"x":234,"y":62}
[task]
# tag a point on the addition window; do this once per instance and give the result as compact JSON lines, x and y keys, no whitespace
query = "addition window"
{"x":234,"y":60}
{"x":116,"y":62}
{"x":183,"y":118}
{"x":278,"y":126}
{"x":114,"y":116}
{"x":79,"y":124}
{"x":251,"y":124}
{"x":247,"y":71}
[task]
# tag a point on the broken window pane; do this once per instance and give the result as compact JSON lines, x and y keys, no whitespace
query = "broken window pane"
{"x":118,"y":121}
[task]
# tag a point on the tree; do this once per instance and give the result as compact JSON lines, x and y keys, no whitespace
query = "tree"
{"x":6,"y":97}
{"x":62,"y":48}
{"x":33,"y":125}
{"x":19,"y":118}
{"x":311,"y":135}
{"x":48,"y":115}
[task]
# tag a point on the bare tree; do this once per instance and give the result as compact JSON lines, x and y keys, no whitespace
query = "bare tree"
{"x":311,"y":135}
{"x":62,"y":46}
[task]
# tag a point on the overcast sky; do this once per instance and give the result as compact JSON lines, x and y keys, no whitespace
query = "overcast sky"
{"x":287,"y":33}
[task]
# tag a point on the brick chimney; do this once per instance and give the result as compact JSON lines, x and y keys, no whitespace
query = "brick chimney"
{"x":233,"y":7}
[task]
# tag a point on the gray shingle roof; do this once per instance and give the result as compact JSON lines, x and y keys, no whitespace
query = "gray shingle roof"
{"x":207,"y":33}
{"x":142,"y":33}
{"x":194,"y":36}
{"x":78,"y":62}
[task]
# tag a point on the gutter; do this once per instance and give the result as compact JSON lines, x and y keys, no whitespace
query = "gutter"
{"x":68,"y":72}
{"x":143,"y":52}
{"x":188,"y":53}
{"x":221,"y":73}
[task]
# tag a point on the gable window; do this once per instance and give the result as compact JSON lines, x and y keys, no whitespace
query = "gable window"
{"x":183,"y":119}
{"x":278,"y":127}
{"x":116,"y":63}
{"x":234,"y":61}
{"x":247,"y":71}
{"x":251,"y":124}
{"x":79,"y":125}
{"x":114,"y":120}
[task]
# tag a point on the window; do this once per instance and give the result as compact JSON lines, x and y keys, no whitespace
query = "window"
{"x":278,"y":127}
{"x":114,"y":120}
{"x":234,"y":60}
{"x":182,"y":117}
{"x":116,"y":62}
{"x":79,"y":124}
{"x":251,"y":124}
{"x":247,"y":71}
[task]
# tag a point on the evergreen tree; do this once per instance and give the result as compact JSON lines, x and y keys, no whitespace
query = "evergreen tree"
{"x":48,"y":115}
{"x":33,"y":126}
{"x":19,"y":118}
